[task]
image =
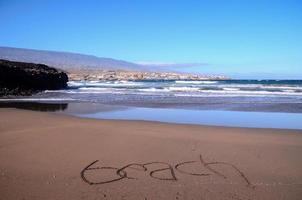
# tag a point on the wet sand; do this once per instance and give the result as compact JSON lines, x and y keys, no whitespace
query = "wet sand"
{"x":52,"y":156}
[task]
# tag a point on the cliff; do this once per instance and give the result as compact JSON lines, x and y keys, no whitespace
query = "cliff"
{"x":19,"y":78}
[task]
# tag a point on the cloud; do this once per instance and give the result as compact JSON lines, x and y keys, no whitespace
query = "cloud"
{"x":170,"y":64}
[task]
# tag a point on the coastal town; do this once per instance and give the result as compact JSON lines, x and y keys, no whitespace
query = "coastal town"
{"x":96,"y":75}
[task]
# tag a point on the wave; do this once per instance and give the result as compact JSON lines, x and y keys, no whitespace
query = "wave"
{"x":196,"y":82}
{"x":154,"y":90}
{"x":231,"y":89}
{"x":101,"y":83}
{"x":197,"y":88}
{"x":183,"y":89}
{"x":163,"y":90}
{"x":241,"y":92}
{"x":74,"y":83}
{"x":282,"y":87}
{"x":93,"y":88}
{"x":266,"y":82}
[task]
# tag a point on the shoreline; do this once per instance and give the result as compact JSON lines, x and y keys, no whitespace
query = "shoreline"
{"x":178,"y":115}
{"x":54,"y":156}
{"x":80,"y":117}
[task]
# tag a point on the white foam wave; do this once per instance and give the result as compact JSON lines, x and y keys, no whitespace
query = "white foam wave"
{"x":183,"y":89}
{"x":97,"y":90}
{"x":281,"y":87}
{"x":154,"y":90}
{"x":101,"y":83}
{"x":94,"y":88}
{"x":75,"y":83}
{"x":260,"y":86}
{"x":195,"y":88}
{"x":231,"y":89}
{"x":196,"y":82}
{"x":291,"y":91}
{"x":223,"y":92}
{"x":85,"y":90}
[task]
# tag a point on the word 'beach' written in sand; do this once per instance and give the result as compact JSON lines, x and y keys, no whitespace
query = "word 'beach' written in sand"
{"x":163,"y":171}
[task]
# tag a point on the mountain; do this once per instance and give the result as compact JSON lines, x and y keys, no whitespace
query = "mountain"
{"x":87,"y":67}
{"x":67,"y":61}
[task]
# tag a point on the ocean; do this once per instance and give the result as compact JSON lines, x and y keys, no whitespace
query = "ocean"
{"x":226,"y":94}
{"x":149,"y":100}
{"x":225,"y":88}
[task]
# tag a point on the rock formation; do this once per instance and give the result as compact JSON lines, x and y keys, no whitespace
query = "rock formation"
{"x":19,"y":78}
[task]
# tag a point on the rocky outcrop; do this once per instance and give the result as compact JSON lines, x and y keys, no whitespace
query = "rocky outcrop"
{"x":19,"y":78}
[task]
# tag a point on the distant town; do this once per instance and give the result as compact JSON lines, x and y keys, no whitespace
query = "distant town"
{"x":96,"y":75}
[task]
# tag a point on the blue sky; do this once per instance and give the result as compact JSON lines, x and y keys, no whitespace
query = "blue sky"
{"x":242,"y":39}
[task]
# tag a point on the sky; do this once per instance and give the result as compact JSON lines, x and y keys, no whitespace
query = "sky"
{"x":238,"y":38}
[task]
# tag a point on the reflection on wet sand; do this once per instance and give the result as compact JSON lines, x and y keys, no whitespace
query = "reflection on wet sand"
{"x":45,"y":107}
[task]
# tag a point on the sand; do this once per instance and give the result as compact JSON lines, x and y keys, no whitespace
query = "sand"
{"x":52,"y":156}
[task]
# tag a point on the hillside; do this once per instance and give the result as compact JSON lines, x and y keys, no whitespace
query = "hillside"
{"x":87,"y":67}
{"x":67,"y":61}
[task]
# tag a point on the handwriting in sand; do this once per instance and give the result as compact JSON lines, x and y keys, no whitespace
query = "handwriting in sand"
{"x":121,"y":173}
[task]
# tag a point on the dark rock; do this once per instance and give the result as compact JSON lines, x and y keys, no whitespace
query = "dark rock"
{"x":19,"y":78}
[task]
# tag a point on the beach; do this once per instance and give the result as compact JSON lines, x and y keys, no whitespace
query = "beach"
{"x":151,"y":100}
{"x":55,"y":156}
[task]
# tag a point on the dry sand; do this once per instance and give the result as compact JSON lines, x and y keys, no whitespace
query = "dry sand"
{"x":44,"y":156}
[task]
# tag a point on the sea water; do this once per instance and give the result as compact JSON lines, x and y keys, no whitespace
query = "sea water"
{"x":225,"y":102}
